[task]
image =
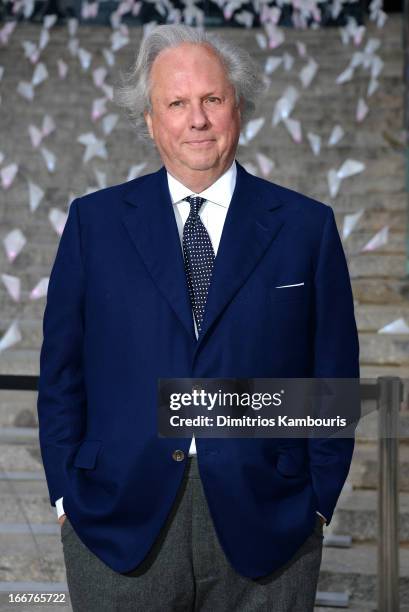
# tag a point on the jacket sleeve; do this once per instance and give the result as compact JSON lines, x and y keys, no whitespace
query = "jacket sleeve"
{"x":61,"y":403}
{"x":336,"y":355}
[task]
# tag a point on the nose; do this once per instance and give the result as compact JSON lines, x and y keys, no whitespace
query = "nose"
{"x":198,"y":117}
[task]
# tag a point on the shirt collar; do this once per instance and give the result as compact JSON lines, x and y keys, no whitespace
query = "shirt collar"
{"x":219,"y":193}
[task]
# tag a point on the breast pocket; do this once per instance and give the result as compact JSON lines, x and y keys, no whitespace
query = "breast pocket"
{"x":290,"y":293}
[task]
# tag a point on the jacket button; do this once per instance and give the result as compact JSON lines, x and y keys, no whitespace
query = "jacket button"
{"x":178,"y":455}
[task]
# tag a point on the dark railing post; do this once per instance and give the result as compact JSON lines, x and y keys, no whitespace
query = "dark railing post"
{"x":405,"y":41}
{"x":389,"y":399}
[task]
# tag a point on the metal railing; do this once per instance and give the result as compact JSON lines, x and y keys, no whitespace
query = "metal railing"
{"x":405,"y":43}
{"x":389,"y":400}
{"x":388,"y":393}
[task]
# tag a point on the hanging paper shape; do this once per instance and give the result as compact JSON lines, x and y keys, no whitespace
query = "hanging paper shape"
{"x":251,"y":168}
{"x":8,"y":174}
{"x":345,"y":76}
{"x":72,"y":26}
{"x":11,"y":337}
{"x":350,"y":221}
{"x":101,"y":178}
{"x":74,"y":47}
{"x":361,"y":110}
{"x":99,"y":76}
{"x":294,"y":128}
{"x":44,"y":39}
{"x":399,"y":326}
{"x":40,"y":290}
{"x":334,"y":182}
{"x":94,"y":147}
{"x":48,"y":125}
{"x":13,"y":286}
{"x":134,"y":171}
{"x":285,"y":105}
{"x":253,"y":127}
{"x":36,"y":136}
{"x":301,"y":48}
{"x":14,"y":242}
{"x":350,"y":167}
{"x":50,"y":20}
{"x":288,"y":61}
{"x":57,"y":219}
{"x":379,"y":240}
{"x":315,"y":142}
{"x":40,"y":75}
{"x":98,"y":108}
{"x":109,"y":57}
{"x":62,"y":69}
{"x":36,"y":194}
{"x":336,"y":135}
{"x":85,"y":58}
{"x":308,"y":73}
{"x":49,"y":158}
{"x":372,"y":87}
{"x":118,"y":41}
{"x":261,"y":40}
{"x":26,"y":90}
{"x":272,"y":63}
{"x":109,"y":122}
{"x":265,"y":164}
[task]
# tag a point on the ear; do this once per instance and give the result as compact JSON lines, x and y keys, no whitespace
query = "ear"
{"x":148,"y":120}
{"x":241,"y":107}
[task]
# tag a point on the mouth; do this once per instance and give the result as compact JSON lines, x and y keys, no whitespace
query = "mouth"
{"x":200,"y":143}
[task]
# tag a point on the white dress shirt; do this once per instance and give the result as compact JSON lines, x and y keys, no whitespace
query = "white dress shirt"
{"x":212,"y":214}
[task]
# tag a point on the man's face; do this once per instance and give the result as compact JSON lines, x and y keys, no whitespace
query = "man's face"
{"x":195,"y":121}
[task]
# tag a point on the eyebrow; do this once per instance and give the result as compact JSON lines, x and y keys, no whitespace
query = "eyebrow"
{"x":180,"y":97}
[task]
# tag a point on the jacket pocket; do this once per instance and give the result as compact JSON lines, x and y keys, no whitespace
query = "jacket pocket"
{"x":290,"y":294}
{"x":87,"y":453}
{"x":292,"y":462}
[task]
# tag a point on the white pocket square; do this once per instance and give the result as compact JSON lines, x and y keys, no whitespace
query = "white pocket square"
{"x":296,"y":285}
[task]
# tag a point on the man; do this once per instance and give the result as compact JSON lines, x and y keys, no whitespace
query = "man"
{"x":137,"y":293}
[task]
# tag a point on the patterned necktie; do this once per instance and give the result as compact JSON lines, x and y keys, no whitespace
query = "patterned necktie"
{"x":199,"y":258}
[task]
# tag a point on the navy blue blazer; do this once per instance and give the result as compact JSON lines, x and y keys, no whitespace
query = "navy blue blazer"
{"x":118,"y":317}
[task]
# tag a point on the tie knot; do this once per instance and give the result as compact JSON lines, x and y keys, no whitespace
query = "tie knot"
{"x":195,"y":203}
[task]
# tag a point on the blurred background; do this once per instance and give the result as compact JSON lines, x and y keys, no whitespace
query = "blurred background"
{"x":333,"y":124}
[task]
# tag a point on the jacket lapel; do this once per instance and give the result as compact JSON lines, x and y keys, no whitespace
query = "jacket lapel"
{"x":253,"y":221}
{"x":151,"y":224}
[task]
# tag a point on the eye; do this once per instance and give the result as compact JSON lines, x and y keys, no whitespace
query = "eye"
{"x":213,"y":99}
{"x":176,"y":103}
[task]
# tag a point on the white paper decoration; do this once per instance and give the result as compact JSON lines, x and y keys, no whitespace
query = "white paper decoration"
{"x":379,"y":240}
{"x":49,"y":158}
{"x":11,"y":336}
{"x":40,"y":75}
{"x":350,"y":221}
{"x":40,"y":290}
{"x":12,"y":284}
{"x":315,"y":142}
{"x":58,"y":219}
{"x":8,"y":174}
{"x":336,"y":135}
{"x":36,"y":194}
{"x":14,"y":242}
{"x":135,"y":171}
{"x":399,"y":326}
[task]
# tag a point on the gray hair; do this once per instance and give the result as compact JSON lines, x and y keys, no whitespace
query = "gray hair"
{"x":133,"y":91}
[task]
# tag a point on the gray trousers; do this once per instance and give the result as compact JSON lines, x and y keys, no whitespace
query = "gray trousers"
{"x":187,"y":571}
